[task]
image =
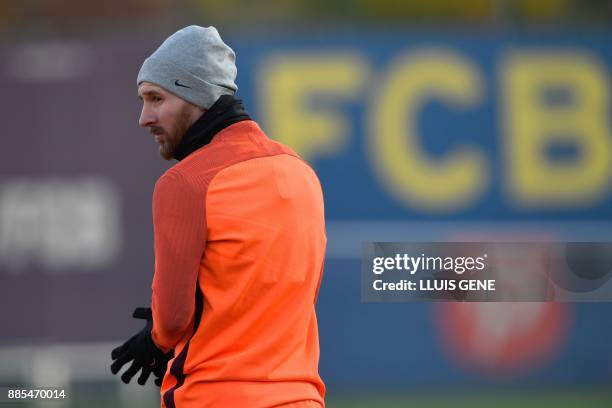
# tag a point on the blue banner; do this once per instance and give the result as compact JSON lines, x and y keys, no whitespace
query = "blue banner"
{"x":422,"y":126}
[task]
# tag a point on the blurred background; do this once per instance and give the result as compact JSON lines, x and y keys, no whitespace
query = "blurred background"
{"x":437,"y":120}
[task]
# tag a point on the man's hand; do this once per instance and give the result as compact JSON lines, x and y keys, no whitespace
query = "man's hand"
{"x":142,"y":351}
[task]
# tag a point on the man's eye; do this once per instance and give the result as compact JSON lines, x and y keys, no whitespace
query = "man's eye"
{"x":157,"y":99}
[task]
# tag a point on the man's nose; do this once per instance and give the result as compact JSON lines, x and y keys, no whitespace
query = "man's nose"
{"x":147,"y":118}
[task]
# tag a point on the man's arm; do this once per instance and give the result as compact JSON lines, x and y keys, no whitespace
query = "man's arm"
{"x":179,"y":223}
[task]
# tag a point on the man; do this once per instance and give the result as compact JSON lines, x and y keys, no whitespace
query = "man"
{"x":239,"y":243}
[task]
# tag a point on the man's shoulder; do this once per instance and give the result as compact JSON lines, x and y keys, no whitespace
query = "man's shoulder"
{"x":239,"y":142}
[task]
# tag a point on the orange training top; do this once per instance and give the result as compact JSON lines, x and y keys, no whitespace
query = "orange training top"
{"x":239,"y":249}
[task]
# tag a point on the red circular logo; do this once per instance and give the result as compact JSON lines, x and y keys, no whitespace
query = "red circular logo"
{"x":503,"y":338}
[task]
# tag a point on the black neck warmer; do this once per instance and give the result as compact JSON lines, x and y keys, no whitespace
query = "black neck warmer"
{"x":225,"y":112}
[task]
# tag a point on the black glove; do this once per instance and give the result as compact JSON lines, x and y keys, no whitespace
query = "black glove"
{"x":142,"y":351}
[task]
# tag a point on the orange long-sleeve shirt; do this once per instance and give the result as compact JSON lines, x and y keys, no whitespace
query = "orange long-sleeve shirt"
{"x":239,"y":249}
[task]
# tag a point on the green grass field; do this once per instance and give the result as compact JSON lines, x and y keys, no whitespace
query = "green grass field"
{"x":533,"y":399}
{"x":107,"y":394}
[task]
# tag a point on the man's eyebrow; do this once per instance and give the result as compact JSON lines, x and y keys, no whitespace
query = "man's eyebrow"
{"x":150,"y":92}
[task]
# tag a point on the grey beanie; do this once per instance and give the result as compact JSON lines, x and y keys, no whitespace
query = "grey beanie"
{"x":195,"y":64}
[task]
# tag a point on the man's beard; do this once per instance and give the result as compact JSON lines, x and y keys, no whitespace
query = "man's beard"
{"x":166,"y":145}
{"x":167,"y":149}
{"x":170,"y":140}
{"x":169,"y":143}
